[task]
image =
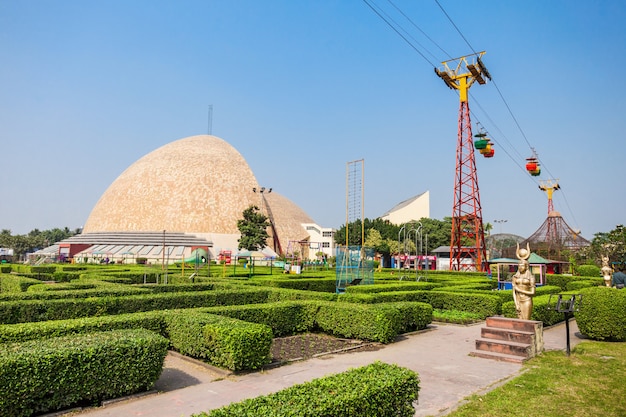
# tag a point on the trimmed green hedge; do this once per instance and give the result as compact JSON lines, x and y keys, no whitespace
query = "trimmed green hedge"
{"x":16,"y":283}
{"x":376,"y":390}
{"x":485,"y":305}
{"x":602,"y":314}
{"x":395,"y":286}
{"x":151,"y":320}
{"x":374,"y":322}
{"x":306,"y":284}
{"x":378,"y":322}
{"x":42,"y":310}
{"x":284,"y":317}
{"x":48,"y":375}
{"x":228,"y":343}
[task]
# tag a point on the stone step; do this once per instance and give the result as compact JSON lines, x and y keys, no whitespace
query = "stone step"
{"x":512,"y":324}
{"x":507,"y":335}
{"x":510,"y":348}
{"x":502,"y":357}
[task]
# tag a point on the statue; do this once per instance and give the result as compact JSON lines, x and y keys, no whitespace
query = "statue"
{"x":523,"y":284}
{"x":606,"y":271}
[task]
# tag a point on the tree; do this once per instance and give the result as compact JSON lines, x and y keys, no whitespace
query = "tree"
{"x":611,"y":244}
{"x":253,"y":229}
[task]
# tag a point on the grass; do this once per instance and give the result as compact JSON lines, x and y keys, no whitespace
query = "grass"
{"x":590,"y":382}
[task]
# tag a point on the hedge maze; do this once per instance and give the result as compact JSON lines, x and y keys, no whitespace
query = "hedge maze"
{"x":57,"y":323}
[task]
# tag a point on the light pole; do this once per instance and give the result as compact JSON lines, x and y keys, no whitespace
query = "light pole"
{"x":501,"y":222}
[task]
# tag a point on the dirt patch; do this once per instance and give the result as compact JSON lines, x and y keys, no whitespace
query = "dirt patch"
{"x":309,"y":345}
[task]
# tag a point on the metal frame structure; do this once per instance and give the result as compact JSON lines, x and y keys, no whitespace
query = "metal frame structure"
{"x":355,"y":196}
{"x":550,"y":186}
{"x":467,"y":237}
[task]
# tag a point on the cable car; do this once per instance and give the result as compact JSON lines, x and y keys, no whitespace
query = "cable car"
{"x":481,"y":143}
{"x":532,"y":166}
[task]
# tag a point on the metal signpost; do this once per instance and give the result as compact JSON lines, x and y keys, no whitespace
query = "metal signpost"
{"x":566,"y":304}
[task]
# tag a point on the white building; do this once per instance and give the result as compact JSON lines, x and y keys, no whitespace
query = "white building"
{"x":321,"y":239}
{"x":414,"y":208}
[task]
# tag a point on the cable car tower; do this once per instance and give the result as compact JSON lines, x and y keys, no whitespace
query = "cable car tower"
{"x":467,"y":238}
{"x":549,"y":187}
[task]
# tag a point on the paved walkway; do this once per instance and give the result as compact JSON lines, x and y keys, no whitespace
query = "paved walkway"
{"x":439,"y":355}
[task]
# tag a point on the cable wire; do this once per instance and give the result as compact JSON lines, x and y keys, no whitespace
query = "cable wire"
{"x":398,"y":32}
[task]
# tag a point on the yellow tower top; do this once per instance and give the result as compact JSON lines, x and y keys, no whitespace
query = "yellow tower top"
{"x":461,"y":73}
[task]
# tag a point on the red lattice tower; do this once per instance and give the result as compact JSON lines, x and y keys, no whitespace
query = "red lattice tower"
{"x":467,"y":241}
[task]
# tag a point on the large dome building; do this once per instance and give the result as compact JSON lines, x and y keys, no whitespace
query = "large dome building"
{"x":190,"y":193}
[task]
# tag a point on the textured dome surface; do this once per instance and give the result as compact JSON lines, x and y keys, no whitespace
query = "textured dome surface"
{"x":199,"y":184}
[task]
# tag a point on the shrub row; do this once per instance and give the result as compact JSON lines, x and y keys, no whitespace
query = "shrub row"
{"x":484,"y":305}
{"x":375,"y":390}
{"x":221,"y":341}
{"x":376,"y":322}
{"x":15,"y":283}
{"x":48,"y":375}
{"x":42,"y":310}
{"x":307,"y":284}
{"x":392,"y":286}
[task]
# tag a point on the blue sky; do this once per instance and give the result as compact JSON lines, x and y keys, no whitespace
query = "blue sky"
{"x":300,"y":88}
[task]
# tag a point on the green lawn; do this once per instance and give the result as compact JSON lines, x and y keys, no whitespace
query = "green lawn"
{"x":590,"y":382}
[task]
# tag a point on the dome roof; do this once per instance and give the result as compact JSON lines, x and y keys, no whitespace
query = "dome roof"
{"x":199,"y":184}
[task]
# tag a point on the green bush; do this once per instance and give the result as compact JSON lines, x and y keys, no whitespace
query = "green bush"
{"x":584,"y":283}
{"x":602,"y":314}
{"x":375,"y":322}
{"x":47,"y":375}
{"x":307,"y":284}
{"x":284,"y":317}
{"x":376,"y":390}
{"x":414,"y":315}
{"x":42,"y":310}
{"x":151,"y":320}
{"x":485,"y":305}
{"x":395,"y":286}
{"x":15,"y":283}
{"x":224,"y":342}
{"x":588,"y":270}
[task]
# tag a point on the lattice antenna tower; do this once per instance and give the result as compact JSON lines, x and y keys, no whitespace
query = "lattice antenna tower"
{"x":467,"y":237}
{"x":355,"y":177}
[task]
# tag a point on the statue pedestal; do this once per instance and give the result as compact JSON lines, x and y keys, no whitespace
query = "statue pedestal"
{"x":510,"y":340}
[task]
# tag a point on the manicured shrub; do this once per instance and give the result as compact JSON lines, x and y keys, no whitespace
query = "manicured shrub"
{"x":602,"y":314}
{"x":151,"y":320}
{"x":584,"y":283}
{"x":306,"y":284}
{"x":224,"y":342}
{"x":394,"y":286}
{"x":47,"y":375}
{"x":376,"y":390}
{"x":284,"y":317}
{"x":588,"y":270}
{"x":15,"y":283}
{"x":414,"y":315}
{"x":374,"y":322}
{"x":40,"y":310}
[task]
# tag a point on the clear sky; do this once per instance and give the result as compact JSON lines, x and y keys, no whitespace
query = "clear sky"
{"x":300,"y":88}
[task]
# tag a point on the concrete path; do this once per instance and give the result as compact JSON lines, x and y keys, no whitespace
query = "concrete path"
{"x":440,"y":355}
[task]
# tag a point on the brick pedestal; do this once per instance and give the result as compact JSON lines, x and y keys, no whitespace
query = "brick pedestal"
{"x":511,"y":340}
